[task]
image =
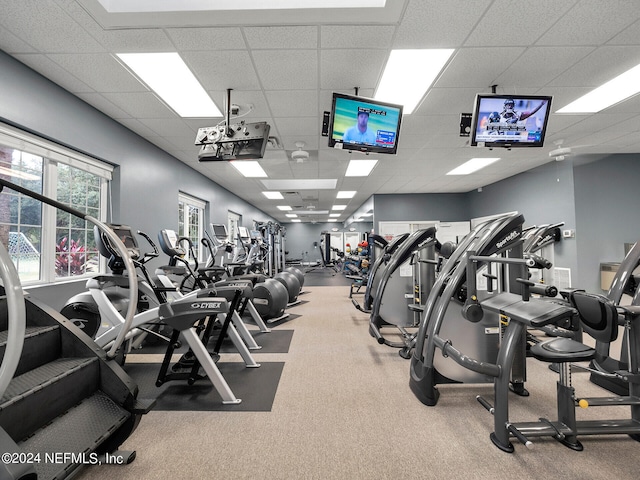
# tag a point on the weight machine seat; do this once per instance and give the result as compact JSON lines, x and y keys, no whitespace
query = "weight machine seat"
{"x":562,"y":350}
{"x":598,"y":317}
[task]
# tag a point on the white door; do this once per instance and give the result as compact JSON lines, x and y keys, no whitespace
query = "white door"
{"x":335,"y":241}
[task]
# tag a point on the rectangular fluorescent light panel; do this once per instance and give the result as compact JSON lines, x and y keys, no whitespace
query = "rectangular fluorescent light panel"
{"x":273,"y":195}
{"x":332,"y":220}
{"x":338,"y":207}
{"x":335,"y":214}
{"x":311,"y":212}
{"x":360,"y":168}
{"x":472,"y":165}
{"x":409,"y":74}
{"x":284,"y":208}
{"x":249,"y":168}
{"x":300,"y":184}
{"x":346,"y":194}
{"x":607,"y":94}
{"x":291,"y":215}
{"x":151,"y":6}
{"x":168,"y":76}
{"x":296,"y":220}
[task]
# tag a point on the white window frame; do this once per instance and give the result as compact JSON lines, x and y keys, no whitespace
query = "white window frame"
{"x":201,"y":205}
{"x":53,"y":154}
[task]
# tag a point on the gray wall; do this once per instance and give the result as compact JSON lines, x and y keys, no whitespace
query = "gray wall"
{"x":146,"y":181}
{"x":446,"y":207}
{"x":607,"y":194}
{"x":544,"y":195}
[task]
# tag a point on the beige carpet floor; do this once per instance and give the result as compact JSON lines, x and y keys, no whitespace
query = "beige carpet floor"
{"x":343,"y":410}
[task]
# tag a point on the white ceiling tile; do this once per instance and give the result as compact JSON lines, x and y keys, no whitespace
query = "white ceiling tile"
{"x":549,"y":63}
{"x":140,"y":105}
{"x":628,"y":36}
{"x":127,"y":41}
{"x":169,"y":127}
{"x":13,"y":44}
{"x":477,"y":67}
{"x":599,"y":66}
{"x":521,"y":22}
{"x":341,"y":69}
{"x":136,"y":125}
{"x":287,"y":69}
{"x":100,"y":71}
{"x":55,"y":72}
{"x":219,"y":70}
{"x":298,"y":126}
{"x":443,"y":101}
{"x":293,"y":103}
{"x":46,"y":27}
{"x":104,"y":105}
{"x":356,"y":36}
{"x":437,"y":24}
{"x":590,"y":22}
{"x":205,"y":39}
{"x":288,"y":37}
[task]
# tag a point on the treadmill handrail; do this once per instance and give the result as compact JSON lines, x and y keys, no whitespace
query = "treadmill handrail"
{"x":116,"y":242}
{"x":17,"y":319}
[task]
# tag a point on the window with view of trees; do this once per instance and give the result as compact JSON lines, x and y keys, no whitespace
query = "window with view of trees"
{"x":47,"y":244}
{"x":191,"y":222}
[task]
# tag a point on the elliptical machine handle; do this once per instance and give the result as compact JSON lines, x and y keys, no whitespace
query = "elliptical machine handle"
{"x":155,"y":252}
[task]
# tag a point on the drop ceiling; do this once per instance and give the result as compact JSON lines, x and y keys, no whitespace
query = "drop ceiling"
{"x":283,"y":66}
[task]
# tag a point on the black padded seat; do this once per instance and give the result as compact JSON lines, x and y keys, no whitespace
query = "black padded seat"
{"x":598,"y":317}
{"x":560,"y":350}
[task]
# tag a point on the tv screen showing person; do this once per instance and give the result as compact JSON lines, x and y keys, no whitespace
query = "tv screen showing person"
{"x":519,"y":120}
{"x":365,"y":124}
{"x":360,"y":132}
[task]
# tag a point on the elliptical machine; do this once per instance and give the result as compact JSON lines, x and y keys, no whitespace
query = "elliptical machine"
{"x":270,"y":297}
{"x":183,"y":315}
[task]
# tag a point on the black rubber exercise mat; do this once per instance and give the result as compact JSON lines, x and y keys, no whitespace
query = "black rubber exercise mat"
{"x":256,"y":387}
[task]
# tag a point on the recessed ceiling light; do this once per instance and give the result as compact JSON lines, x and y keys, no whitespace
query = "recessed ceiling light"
{"x":607,"y":94}
{"x":249,"y":168}
{"x":311,"y":212}
{"x":332,"y":220}
{"x":338,"y":207}
{"x":291,"y":215}
{"x":148,"y":6}
{"x":409,"y":74}
{"x":273,"y":195}
{"x":301,"y":184}
{"x":360,"y":168}
{"x":346,"y":194}
{"x":168,"y":76}
{"x":472,"y":165}
{"x":284,"y":208}
{"x":335,"y":214}
{"x":296,"y":220}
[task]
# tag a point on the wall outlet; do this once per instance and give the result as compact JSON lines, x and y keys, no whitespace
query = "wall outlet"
{"x":568,"y":234}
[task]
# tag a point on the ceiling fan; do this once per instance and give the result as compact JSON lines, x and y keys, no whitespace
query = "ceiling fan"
{"x":560,"y":152}
{"x":300,"y":155}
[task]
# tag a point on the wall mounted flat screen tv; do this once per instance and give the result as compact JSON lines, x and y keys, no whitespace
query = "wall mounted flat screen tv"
{"x":364,"y":125}
{"x":510,"y":120}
